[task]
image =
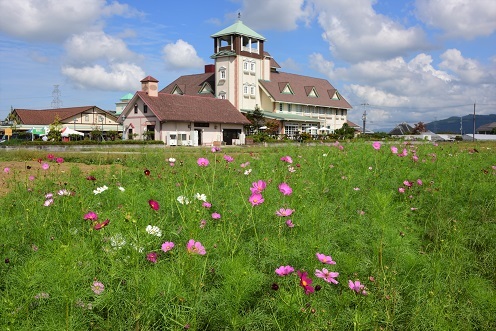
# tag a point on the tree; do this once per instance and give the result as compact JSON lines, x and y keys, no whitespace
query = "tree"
{"x":345,"y":131}
{"x":256,"y":118}
{"x":272,"y":126}
{"x":54,"y":134}
{"x":419,"y":128}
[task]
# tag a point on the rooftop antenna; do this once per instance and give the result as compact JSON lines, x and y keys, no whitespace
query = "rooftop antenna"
{"x":239,"y":16}
{"x":56,"y":102}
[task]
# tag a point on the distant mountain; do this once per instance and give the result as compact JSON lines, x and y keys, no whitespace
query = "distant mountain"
{"x":452,"y":124}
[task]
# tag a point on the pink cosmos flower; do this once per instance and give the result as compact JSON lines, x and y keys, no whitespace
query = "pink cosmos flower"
{"x":407,"y":183}
{"x":100,"y":226}
{"x":45,"y":166}
{"x":215,"y":149}
{"x":284,"y":212}
{"x":228,"y":158}
{"x":415,"y":158}
{"x":256,"y":199}
{"x":327,"y":259}
{"x":394,"y":150}
{"x":59,"y":160}
{"x":419,"y":182}
{"x":154,"y":204}
{"x":92,"y":216}
{"x":244,"y":165}
{"x":97,"y":287}
{"x":167,"y":246}
{"x":195,"y":247}
{"x":31,"y":178}
{"x":6,"y":170}
{"x":203,"y":223}
{"x":152,"y":257}
{"x":401,"y":189}
{"x":258,"y":186}
{"x":357,"y":287}
{"x":404,"y":153}
{"x":202,"y":162}
{"x":284,"y":270}
{"x":327,"y":275}
{"x":206,"y":204}
{"x":48,"y":202}
{"x":376,"y":145}
{"x":287,"y":159}
{"x":285,"y":189}
{"x":290,"y":224}
{"x":216,"y":216}
{"x":305,"y":282}
{"x":51,"y":157}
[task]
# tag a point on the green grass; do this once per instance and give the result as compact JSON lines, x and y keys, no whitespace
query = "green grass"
{"x":426,"y":256}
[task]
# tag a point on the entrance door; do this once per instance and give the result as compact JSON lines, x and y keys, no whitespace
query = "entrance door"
{"x":230,"y":134}
{"x":199,"y":131}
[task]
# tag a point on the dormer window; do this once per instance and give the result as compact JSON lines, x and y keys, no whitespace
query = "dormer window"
{"x":311,"y":92}
{"x":222,"y":73}
{"x":177,"y":90}
{"x":285,"y":88}
{"x":145,"y":109}
{"x":135,"y":108}
{"x":206,"y":89}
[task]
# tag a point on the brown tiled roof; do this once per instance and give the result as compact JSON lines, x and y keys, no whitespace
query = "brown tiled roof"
{"x":149,"y":79}
{"x":301,"y":86}
{"x":47,"y":116}
{"x":185,"y":108}
{"x":192,"y":84}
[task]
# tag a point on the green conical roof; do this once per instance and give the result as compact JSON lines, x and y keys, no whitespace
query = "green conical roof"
{"x":238,"y":28}
{"x":128,"y":96}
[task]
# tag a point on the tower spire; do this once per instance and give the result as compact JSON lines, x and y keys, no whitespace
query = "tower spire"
{"x":239,"y":16}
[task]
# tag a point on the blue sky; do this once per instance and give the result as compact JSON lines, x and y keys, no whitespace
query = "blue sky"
{"x":401,"y":61}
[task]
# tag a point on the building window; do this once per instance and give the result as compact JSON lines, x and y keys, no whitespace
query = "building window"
{"x":145,"y":109}
{"x":289,"y":107}
{"x":298,"y":108}
{"x":280,"y":106}
{"x":252,"y":90}
{"x":245,"y":89}
{"x":290,"y":130}
{"x":245,"y":66}
{"x":136,"y":108}
{"x":252,"y":66}
{"x":86,"y":118}
{"x":222,"y":74}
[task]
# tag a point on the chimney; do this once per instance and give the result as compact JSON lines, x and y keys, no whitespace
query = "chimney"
{"x":150,"y":86}
{"x":209,"y":68}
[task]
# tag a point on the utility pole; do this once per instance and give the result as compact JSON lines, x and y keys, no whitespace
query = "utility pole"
{"x":364,"y":117}
{"x":473,"y":134}
{"x":56,"y":102}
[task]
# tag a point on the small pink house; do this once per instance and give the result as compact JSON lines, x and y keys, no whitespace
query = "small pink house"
{"x":181,"y":119}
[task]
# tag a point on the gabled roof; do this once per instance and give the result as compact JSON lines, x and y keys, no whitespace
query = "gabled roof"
{"x":402,"y":129}
{"x":240,"y":29}
{"x":47,"y":116}
{"x":183,"y":108}
{"x":192,"y":85}
{"x":486,"y":127}
{"x":302,"y":86}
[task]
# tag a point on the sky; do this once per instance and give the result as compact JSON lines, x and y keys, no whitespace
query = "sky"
{"x":398,"y":61}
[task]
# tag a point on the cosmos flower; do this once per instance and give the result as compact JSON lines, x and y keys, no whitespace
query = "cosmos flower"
{"x":305,"y":282}
{"x":256,"y":199}
{"x":376,"y":145}
{"x":167,"y":246}
{"x":284,"y":212}
{"x":327,"y":275}
{"x":154,"y":204}
{"x":152,"y":257}
{"x":97,"y":287}
{"x":195,"y":247}
{"x":45,"y":166}
{"x":92,"y":216}
{"x":258,"y":186}
{"x":153,"y":230}
{"x":285,"y":189}
{"x":290,"y":224}
{"x":216,"y":216}
{"x":228,"y":158}
{"x":357,"y":287}
{"x":287,"y":159}
{"x":202,"y":162}
{"x":99,"y":226}
{"x":327,"y":259}
{"x":284,"y":270}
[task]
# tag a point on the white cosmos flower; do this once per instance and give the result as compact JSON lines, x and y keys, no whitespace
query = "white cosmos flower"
{"x":183,"y":200}
{"x":201,"y":197}
{"x":154,"y":230}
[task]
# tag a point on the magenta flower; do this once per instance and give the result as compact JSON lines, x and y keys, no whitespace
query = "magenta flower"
{"x":206,"y":204}
{"x":152,"y":257}
{"x":244,"y":165}
{"x":305,"y":282}
{"x":357,"y":287}
{"x":99,"y":226}
{"x":51,"y":157}
{"x":215,"y":216}
{"x":285,"y":189}
{"x":215,"y":149}
{"x":167,"y":246}
{"x":376,"y":145}
{"x":404,"y":153}
{"x":6,"y":170}
{"x":45,"y":166}
{"x":394,"y":150}
{"x":256,"y":199}
{"x":92,"y":216}
{"x":97,"y":287}
{"x":195,"y":247}
{"x":284,"y":212}
{"x":419,"y":182}
{"x":327,"y":259}
{"x":59,"y":160}
{"x":258,"y":186}
{"x":401,"y":189}
{"x":407,"y":183}
{"x":287,"y":159}
{"x":154,"y":204}
{"x":290,"y":224}
{"x":202,"y":162}
{"x":228,"y":158}
{"x":284,"y":270}
{"x":327,"y":275}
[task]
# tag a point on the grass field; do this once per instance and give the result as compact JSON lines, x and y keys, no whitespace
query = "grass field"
{"x":343,"y":236}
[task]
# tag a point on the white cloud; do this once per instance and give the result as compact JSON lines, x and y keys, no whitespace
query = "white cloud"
{"x":355,"y":32}
{"x":118,"y":77}
{"x":272,"y":14}
{"x":181,"y":55}
{"x":95,"y":45}
{"x":469,"y":71}
{"x":459,"y":18}
{"x":54,"y":20}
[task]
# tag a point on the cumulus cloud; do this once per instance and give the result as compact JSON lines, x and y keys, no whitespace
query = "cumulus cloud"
{"x":117,"y":77}
{"x":458,"y":18}
{"x":272,"y":14}
{"x":95,"y":45}
{"x":468,"y":70}
{"x":355,"y":32}
{"x":52,"y":20}
{"x":181,"y":55}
